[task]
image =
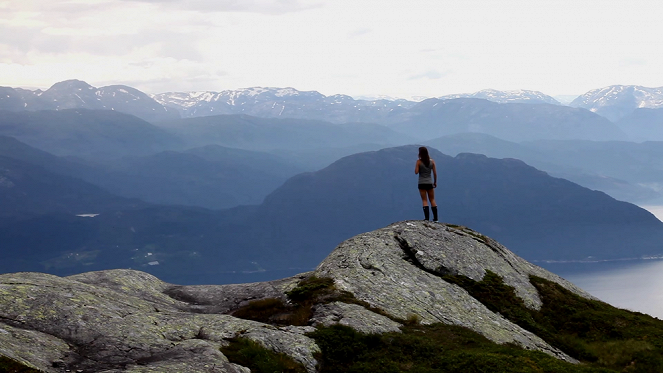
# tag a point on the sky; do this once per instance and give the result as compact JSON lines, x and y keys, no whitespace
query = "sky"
{"x":405,"y":49}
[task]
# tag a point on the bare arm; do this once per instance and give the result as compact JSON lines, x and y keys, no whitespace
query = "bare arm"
{"x":434,"y":175}
{"x":416,"y":167}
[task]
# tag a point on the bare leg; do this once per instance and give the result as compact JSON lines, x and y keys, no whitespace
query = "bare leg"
{"x":424,"y":200}
{"x":431,"y":197}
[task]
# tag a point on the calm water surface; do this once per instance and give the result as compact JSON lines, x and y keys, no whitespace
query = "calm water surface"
{"x":634,"y":284}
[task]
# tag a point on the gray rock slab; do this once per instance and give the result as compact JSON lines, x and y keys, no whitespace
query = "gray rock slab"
{"x":354,"y":316}
{"x":225,"y":298}
{"x":132,"y":283}
{"x":290,"y":342}
{"x":455,"y":250}
{"x":46,"y":319}
{"x":34,"y":349}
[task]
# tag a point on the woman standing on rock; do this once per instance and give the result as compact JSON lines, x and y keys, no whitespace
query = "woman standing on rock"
{"x":427,"y":184}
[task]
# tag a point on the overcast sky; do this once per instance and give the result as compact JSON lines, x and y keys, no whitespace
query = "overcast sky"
{"x":356,"y":47}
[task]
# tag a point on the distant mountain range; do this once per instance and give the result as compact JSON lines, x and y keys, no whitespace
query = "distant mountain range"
{"x":503,"y":97}
{"x":281,"y":103}
{"x":614,"y":102}
{"x":617,"y":101}
{"x":76,"y":94}
{"x":515,"y":122}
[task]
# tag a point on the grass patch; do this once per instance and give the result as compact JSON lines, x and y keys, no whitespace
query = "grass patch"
{"x":430,"y":348}
{"x":311,"y":288}
{"x":607,"y":335}
{"x":254,"y":356}
{"x":310,"y":291}
{"x":604,"y":338}
{"x":270,"y":311}
{"x":591,"y":331}
{"x":8,"y":365}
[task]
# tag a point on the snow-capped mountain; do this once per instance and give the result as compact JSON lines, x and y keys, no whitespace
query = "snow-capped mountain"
{"x":76,"y":94}
{"x":280,"y":102}
{"x":617,"y":101}
{"x":503,"y":97}
{"x":289,"y":102}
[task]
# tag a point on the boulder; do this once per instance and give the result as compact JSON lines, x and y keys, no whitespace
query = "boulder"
{"x":399,"y":270}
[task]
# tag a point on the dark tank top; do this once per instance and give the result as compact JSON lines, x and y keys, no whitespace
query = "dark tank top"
{"x":425,"y":173}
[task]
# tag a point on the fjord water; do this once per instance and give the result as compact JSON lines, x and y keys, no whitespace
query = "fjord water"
{"x":633,"y":284}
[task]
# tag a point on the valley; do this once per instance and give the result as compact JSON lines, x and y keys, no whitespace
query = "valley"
{"x":234,"y":198}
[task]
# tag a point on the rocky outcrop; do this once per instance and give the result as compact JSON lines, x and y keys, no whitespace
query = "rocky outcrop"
{"x":122,"y":320}
{"x":130,"y":321}
{"x":399,"y":269}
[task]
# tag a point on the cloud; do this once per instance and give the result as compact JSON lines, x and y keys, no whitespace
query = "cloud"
{"x":274,"y":7}
{"x":430,"y":74}
{"x":359,"y":32}
{"x":632,"y":62}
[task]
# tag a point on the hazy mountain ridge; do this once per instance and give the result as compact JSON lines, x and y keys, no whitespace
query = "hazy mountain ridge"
{"x":27,"y":190}
{"x":643,"y":124}
{"x":517,"y":96}
{"x":85,"y":132}
{"x":514,"y":121}
{"x":540,"y":217}
{"x":256,"y":133}
{"x":626,"y":171}
{"x":617,"y":101}
{"x":213,"y":177}
{"x":76,"y":94}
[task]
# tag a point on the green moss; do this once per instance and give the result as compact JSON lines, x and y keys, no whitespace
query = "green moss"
{"x":429,"y":348}
{"x":8,"y":365}
{"x":589,"y":330}
{"x":310,"y":288}
{"x":269,"y":311}
{"x":602,"y":337}
{"x":252,"y":355}
{"x":310,"y":291}
{"x":602,"y":333}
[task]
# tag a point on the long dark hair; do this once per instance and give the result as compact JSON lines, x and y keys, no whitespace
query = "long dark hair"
{"x":423,"y":155}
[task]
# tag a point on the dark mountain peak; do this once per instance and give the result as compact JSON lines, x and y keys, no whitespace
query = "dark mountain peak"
{"x":505,"y":198}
